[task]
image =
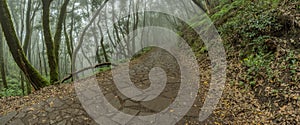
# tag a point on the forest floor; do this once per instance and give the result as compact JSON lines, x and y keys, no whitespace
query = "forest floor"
{"x":60,"y":104}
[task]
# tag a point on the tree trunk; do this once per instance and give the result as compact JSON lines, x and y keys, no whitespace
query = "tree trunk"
{"x":67,"y":40}
{"x":49,"y":42}
{"x":2,"y":66}
{"x":39,"y":58}
{"x":53,"y":46}
{"x":98,"y":58}
{"x":22,"y":83}
{"x":59,"y":26}
{"x":102,"y":44}
{"x":28,"y":29}
{"x":76,"y":50}
{"x":26,"y":43}
{"x":33,"y":76}
{"x":44,"y":59}
{"x":71,"y":30}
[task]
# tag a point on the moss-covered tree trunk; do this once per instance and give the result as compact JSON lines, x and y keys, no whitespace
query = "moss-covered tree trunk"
{"x":26,"y":44}
{"x":53,"y":46}
{"x":49,"y":42}
{"x":59,"y":26}
{"x":33,"y":76}
{"x":2,"y":66}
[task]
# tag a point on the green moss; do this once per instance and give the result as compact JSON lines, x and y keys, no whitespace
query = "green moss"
{"x":103,"y":69}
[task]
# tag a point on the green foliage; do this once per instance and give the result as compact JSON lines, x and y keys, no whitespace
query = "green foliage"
{"x":13,"y":90}
{"x":225,"y":8}
{"x":251,"y":25}
{"x":13,"y":81}
{"x":262,"y":24}
{"x":258,"y":44}
{"x":253,"y":28}
{"x":258,"y":65}
{"x":257,"y":61}
{"x":103,"y":69}
{"x":292,"y":64}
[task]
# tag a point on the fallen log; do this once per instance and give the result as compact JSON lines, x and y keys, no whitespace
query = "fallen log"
{"x":82,"y":70}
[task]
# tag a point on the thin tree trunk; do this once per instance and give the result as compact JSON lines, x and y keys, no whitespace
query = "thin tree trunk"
{"x":44,"y":59}
{"x":2,"y":65}
{"x":59,"y":27}
{"x":128,"y":31}
{"x":67,"y":40}
{"x":28,"y":29}
{"x":71,"y":31}
{"x":65,"y":62}
{"x":135,"y":26}
{"x":22,"y":83}
{"x":102,"y":44}
{"x":39,"y":58}
{"x":144,"y":25}
{"x":98,"y":58}
{"x":22,"y":9}
{"x":83,"y":34}
{"x":26,"y":43}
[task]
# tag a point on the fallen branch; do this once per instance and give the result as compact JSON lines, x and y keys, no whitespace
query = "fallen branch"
{"x":82,"y":70}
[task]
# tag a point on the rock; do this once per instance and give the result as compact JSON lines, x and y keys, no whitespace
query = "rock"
{"x":16,"y":122}
{"x":55,"y":102}
{"x":113,"y":100}
{"x":64,"y":122}
{"x":20,"y":115}
{"x":7,"y":117}
{"x":158,"y":104}
{"x":129,"y":103}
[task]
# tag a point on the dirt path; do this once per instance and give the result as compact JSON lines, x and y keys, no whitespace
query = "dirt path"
{"x":60,"y":104}
{"x":65,"y":108}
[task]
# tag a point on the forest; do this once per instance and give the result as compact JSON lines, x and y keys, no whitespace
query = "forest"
{"x":50,"y":50}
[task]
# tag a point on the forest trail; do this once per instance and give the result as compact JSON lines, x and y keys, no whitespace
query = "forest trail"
{"x":60,"y":104}
{"x":263,"y":60}
{"x":65,"y":107}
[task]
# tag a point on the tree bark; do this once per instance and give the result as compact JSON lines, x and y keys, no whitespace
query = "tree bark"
{"x":53,"y":46}
{"x":59,"y":26}
{"x":33,"y":76}
{"x":67,"y":40}
{"x":2,"y":65}
{"x":28,"y":28}
{"x":98,"y":58}
{"x":53,"y":65}
{"x":102,"y":44}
